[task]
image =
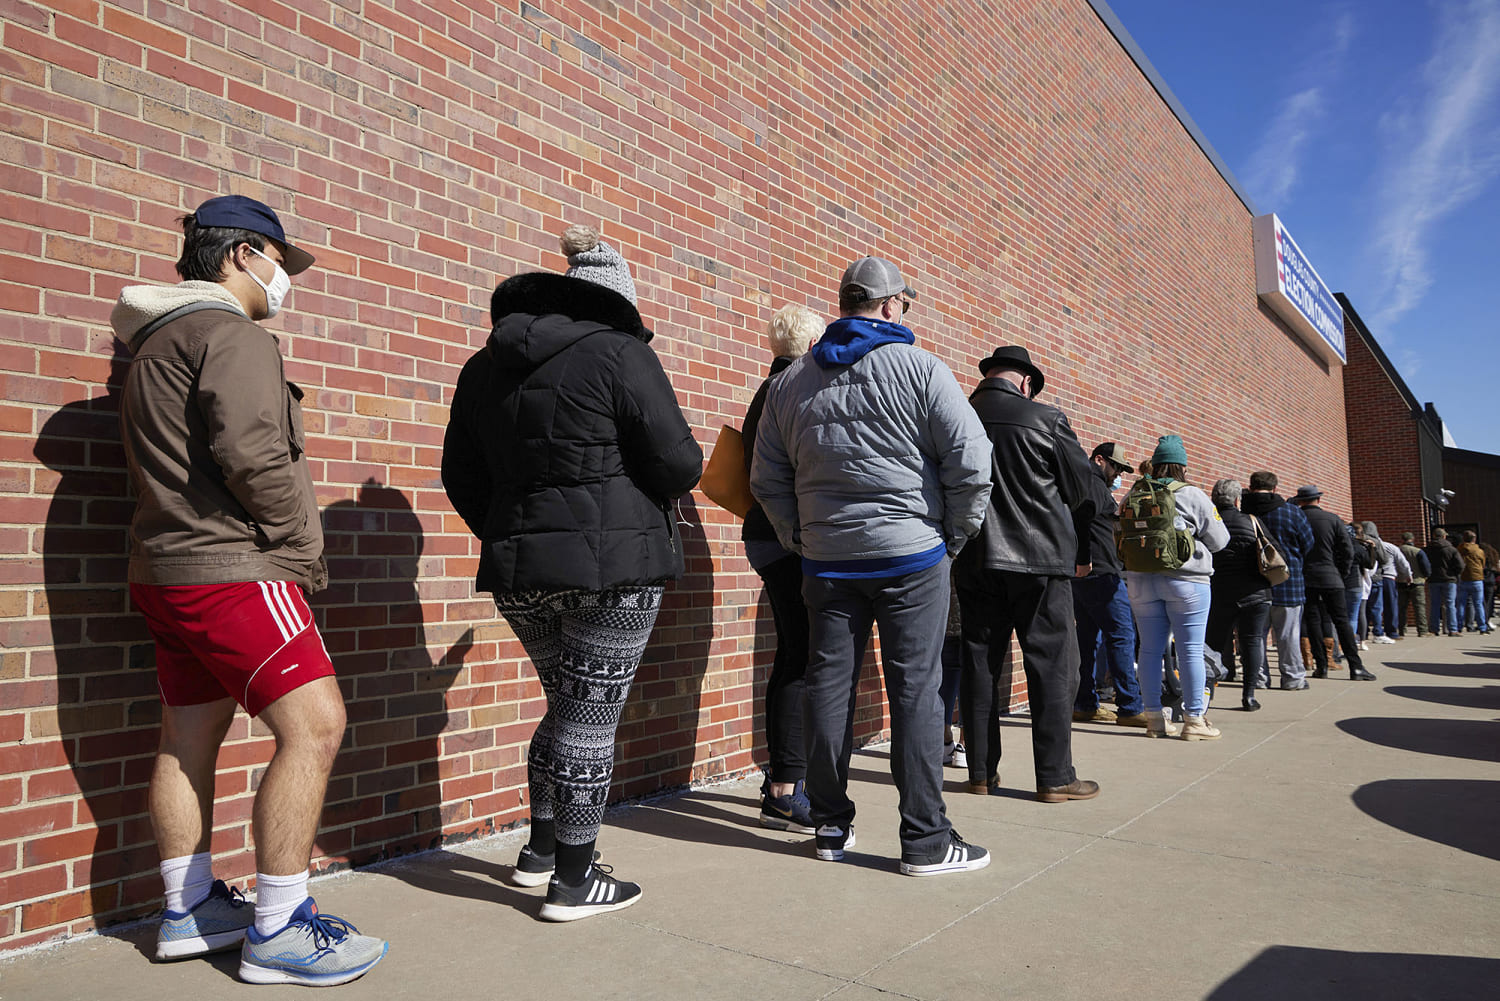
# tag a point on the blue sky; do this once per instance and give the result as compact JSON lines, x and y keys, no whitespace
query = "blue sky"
{"x":1372,"y":129}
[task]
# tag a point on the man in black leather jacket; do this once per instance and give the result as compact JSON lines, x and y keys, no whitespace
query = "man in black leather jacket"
{"x":1014,"y":577}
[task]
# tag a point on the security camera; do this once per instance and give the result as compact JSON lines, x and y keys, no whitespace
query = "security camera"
{"x":1446,"y":492}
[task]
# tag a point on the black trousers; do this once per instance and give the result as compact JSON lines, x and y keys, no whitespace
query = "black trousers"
{"x":1249,"y":624}
{"x":993,"y":605}
{"x":1332,"y":600}
{"x":786,"y":688}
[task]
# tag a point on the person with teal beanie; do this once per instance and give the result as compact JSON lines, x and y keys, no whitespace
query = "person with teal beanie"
{"x":1172,"y":604}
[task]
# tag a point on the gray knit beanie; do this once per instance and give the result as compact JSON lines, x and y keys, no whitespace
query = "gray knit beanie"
{"x":593,"y":260}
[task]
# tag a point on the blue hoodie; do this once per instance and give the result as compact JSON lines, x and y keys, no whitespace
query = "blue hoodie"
{"x":849,"y":339}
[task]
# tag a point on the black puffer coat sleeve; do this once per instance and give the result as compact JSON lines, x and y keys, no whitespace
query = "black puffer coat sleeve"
{"x":656,"y":444}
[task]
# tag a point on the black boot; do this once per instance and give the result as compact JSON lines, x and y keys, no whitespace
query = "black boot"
{"x":1360,"y":674}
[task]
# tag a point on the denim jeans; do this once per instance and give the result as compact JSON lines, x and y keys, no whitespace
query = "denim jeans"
{"x":1354,"y":597}
{"x":1445,"y":610}
{"x":1388,"y":608}
{"x":1471,"y":600}
{"x":1170,"y":608}
{"x":1101,"y":605}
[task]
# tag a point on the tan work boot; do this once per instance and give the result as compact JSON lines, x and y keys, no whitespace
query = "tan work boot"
{"x":1159,"y":724}
{"x":1199,"y":728}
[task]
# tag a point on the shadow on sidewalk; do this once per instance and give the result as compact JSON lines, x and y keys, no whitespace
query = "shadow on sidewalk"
{"x":1487,"y":698}
{"x":1292,"y":973}
{"x":1476,"y":740}
{"x":1483,"y":671}
{"x":1459,"y":813}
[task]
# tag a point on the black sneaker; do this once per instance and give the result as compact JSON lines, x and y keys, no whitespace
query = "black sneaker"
{"x":791,"y":813}
{"x":831,"y":840}
{"x":599,"y":894}
{"x":957,"y":856}
{"x":533,"y":869}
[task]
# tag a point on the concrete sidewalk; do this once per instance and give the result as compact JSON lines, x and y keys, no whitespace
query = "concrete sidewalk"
{"x":1344,"y":842}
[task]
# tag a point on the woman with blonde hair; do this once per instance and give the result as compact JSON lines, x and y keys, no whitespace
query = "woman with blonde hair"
{"x":783,"y":806}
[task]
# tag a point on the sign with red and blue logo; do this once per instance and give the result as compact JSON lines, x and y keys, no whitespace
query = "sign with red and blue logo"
{"x":1286,"y":281}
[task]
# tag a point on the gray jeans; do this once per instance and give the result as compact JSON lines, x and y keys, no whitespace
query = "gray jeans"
{"x":1286,"y":624}
{"x":912,"y":611}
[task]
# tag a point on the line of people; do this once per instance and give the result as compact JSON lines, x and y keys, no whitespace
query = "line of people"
{"x":885,"y":495}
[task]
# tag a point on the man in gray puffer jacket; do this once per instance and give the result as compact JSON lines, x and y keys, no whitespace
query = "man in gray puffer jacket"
{"x":870,"y":463}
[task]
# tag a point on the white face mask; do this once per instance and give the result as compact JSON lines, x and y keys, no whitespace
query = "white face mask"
{"x":281,"y":284}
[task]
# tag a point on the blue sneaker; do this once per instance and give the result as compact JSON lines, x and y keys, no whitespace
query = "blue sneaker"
{"x":791,"y":813}
{"x":216,"y":922}
{"x":318,"y":950}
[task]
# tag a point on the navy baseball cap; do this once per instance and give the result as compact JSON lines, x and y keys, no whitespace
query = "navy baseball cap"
{"x":242,"y":212}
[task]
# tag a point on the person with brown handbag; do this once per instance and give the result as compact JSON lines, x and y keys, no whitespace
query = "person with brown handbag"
{"x":783,"y":805}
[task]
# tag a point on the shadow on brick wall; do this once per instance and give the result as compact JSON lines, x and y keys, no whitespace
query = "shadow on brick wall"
{"x":104,"y":687}
{"x":385,"y":795}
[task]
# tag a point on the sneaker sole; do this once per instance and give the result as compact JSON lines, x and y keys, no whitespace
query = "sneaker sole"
{"x":943,"y":868}
{"x":186,"y":948}
{"x":576,"y":912}
{"x":253,"y":973}
{"x":520,"y":878}
{"x":776,"y":823}
{"x":835,"y":854}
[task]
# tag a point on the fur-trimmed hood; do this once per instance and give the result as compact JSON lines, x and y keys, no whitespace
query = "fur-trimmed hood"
{"x":538,"y":315}
{"x":139,"y":305}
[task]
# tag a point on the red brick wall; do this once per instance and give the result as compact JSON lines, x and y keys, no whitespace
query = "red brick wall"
{"x":1384,"y":452}
{"x":1012,"y":159}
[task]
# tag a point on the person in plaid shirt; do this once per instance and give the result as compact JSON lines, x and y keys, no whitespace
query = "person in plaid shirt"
{"x":1293,"y":536}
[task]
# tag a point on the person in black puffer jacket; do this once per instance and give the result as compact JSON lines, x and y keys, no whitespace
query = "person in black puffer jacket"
{"x":1241,"y":594}
{"x":784,"y":804}
{"x":564,"y":452}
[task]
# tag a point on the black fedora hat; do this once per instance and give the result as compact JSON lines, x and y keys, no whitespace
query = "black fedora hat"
{"x":1016,"y":357}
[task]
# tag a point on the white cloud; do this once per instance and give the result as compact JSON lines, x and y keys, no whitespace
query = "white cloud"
{"x":1444,"y":149}
{"x":1273,"y":168}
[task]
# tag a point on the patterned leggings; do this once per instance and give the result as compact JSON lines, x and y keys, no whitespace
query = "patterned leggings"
{"x":585,"y":646}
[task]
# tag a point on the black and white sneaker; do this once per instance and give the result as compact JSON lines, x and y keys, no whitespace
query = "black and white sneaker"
{"x":533,"y":869}
{"x":599,"y":894}
{"x":831,"y":840}
{"x":957,"y":856}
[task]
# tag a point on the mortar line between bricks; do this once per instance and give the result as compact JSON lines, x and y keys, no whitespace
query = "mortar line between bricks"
{"x":1095,"y":840}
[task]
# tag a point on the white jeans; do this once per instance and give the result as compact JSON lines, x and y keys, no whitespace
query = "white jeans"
{"x":1286,"y":624}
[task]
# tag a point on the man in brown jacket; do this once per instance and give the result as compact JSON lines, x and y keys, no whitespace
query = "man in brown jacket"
{"x":224,"y":544}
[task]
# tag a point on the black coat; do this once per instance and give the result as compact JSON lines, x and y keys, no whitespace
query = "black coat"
{"x":1038,"y":516}
{"x":565,"y":444}
{"x":1327,"y":563}
{"x":1103,"y":554}
{"x":1447,"y":564}
{"x":1362,"y":557}
{"x":757,"y":527}
{"x":1237,"y":579}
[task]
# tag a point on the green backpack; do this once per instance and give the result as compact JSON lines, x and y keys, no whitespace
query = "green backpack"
{"x":1148,"y":539}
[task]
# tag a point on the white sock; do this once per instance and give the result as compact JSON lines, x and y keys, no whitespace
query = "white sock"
{"x":276,"y":897}
{"x":188,"y":880}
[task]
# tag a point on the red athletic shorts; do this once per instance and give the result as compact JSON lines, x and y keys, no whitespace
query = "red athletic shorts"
{"x":252,"y":642}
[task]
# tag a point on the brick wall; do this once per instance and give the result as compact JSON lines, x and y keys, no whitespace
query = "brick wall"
{"x":1384,"y":452}
{"x":1012,"y":159}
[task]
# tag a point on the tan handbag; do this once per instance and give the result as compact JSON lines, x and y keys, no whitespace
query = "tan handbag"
{"x":1268,"y":558}
{"x":725,"y":481}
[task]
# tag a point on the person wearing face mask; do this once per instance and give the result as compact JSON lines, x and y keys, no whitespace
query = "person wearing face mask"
{"x":225,"y":544}
{"x":1101,"y":606}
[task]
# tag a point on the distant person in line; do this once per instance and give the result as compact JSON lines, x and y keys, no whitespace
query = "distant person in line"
{"x":225,"y":544}
{"x":1389,"y":565}
{"x":1016,"y":577}
{"x":1413,"y":593}
{"x":1447,"y":567}
{"x":871,"y":465}
{"x":783,"y":797}
{"x":564,"y":453}
{"x":1174,"y":604}
{"x":1471,"y":586}
{"x":1240,"y":593}
{"x":1290,"y":532}
{"x":1324,"y":570}
{"x":1101,"y":605}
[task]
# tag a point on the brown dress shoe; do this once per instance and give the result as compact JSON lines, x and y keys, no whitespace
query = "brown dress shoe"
{"x":1077,"y":789}
{"x":985,"y":788}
